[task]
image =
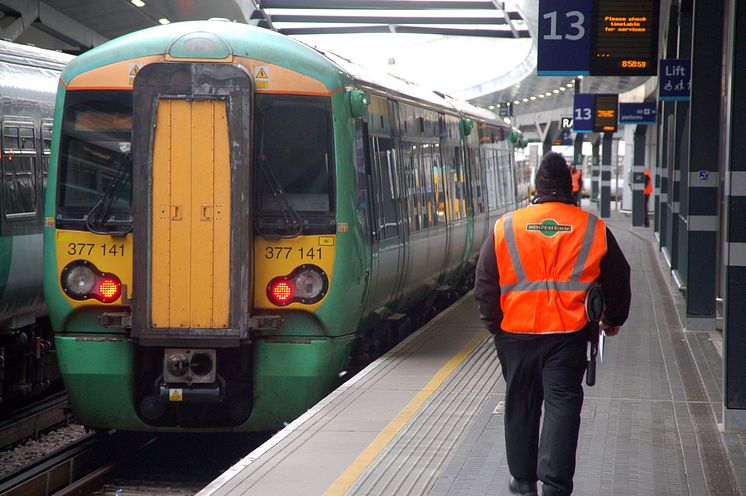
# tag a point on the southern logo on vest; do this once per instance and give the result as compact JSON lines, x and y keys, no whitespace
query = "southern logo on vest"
{"x":549,"y":227}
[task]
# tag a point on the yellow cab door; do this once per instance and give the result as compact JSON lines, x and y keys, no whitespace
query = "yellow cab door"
{"x":191,"y":191}
{"x":191,"y":215}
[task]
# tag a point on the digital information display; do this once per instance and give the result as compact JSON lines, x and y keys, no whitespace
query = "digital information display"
{"x":595,"y":113}
{"x":605,"y":118}
{"x":598,"y":37}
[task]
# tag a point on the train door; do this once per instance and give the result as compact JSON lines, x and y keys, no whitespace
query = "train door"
{"x":384,"y":186}
{"x":404,"y":230}
{"x":191,"y":190}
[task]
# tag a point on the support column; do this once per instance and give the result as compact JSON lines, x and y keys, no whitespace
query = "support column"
{"x":638,"y":177}
{"x":595,"y":167}
{"x":734,"y":309}
{"x":663,"y":205}
{"x":677,"y":227}
{"x":604,"y":206}
{"x":578,"y":149}
{"x":703,"y":172}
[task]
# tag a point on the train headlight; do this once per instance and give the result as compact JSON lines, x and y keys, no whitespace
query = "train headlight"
{"x":81,"y":280}
{"x":307,"y":284}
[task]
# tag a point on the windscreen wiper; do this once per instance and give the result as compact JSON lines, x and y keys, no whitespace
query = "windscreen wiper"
{"x":291,"y":216}
{"x":96,"y":220}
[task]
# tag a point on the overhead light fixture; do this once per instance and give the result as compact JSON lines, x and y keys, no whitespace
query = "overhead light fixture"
{"x":548,"y":93}
{"x":570,"y":85}
{"x":562,"y":88}
{"x":580,"y":77}
{"x":525,"y":100}
{"x":555,"y":91}
{"x":533,"y":98}
{"x":138,"y":3}
{"x":541,"y":96}
{"x":516,"y":102}
{"x":506,"y":120}
{"x":492,"y":107}
{"x":164,"y":21}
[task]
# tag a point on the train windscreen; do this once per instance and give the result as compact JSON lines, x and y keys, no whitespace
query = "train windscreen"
{"x":293,"y":159}
{"x":95,"y":158}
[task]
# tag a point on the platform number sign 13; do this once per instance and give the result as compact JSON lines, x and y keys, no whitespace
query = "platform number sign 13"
{"x":584,"y":106}
{"x":564,"y":37}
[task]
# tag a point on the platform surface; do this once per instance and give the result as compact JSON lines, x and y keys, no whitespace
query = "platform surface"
{"x":426,"y":418}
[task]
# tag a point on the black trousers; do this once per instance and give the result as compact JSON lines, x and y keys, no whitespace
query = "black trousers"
{"x":647,"y":208}
{"x":543,"y":369}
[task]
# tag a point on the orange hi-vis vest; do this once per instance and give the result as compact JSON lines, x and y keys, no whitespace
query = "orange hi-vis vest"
{"x":548,"y":255}
{"x":648,"y":190}
{"x":576,"y":181}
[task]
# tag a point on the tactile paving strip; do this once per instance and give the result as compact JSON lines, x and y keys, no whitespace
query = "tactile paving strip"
{"x":408,"y":466}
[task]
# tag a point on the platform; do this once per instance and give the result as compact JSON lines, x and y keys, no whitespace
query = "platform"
{"x":426,"y":418}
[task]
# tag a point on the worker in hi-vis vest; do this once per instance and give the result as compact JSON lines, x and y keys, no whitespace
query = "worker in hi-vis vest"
{"x":577,"y":182}
{"x":533,"y":275}
{"x":647,"y":191}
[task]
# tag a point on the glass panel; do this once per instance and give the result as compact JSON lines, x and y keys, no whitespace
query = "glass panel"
{"x":19,"y":195}
{"x":95,"y":147}
{"x":10,"y":138}
{"x":27,"y":138}
{"x":46,"y":137}
{"x":294,"y":154}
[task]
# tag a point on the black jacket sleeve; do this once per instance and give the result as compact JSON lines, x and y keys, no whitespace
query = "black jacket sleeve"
{"x":487,"y":286}
{"x":615,"y":282}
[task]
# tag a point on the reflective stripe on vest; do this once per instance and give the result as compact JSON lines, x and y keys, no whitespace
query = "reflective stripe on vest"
{"x":548,"y":305}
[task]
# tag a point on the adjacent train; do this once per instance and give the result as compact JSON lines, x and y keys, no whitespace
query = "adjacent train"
{"x":28,"y":85}
{"x":235,"y":217}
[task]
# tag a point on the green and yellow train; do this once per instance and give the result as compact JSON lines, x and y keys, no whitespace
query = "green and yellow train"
{"x":235,"y":217}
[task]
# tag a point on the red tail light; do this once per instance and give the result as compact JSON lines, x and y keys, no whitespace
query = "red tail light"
{"x":280,"y":292}
{"x":109,"y":289}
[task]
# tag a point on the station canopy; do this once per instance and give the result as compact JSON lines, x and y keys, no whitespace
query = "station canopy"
{"x":478,"y":50}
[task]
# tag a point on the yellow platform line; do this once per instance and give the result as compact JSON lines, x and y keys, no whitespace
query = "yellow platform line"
{"x":364,"y":459}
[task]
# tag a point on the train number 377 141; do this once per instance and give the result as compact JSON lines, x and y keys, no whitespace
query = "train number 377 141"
{"x":284,"y":252}
{"x":88,"y":249}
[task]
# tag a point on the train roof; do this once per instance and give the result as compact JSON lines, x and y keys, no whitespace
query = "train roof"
{"x":33,"y":57}
{"x":262,"y":44}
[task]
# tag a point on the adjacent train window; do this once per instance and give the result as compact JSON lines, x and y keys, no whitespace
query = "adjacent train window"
{"x":46,"y":148}
{"x":294,"y":160}
{"x":95,"y":160}
{"x":19,"y":168}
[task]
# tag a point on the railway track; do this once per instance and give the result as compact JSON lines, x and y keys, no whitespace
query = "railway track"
{"x":30,"y":421}
{"x":60,"y":468}
{"x":105,"y":464}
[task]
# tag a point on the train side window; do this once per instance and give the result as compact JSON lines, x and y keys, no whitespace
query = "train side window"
{"x":410,"y":166}
{"x":426,"y":184}
{"x":18,"y":167}
{"x":440,"y":196}
{"x":26,"y":136}
{"x":46,"y":149}
{"x":384,"y":166}
{"x":475,"y":168}
{"x":493,"y":199}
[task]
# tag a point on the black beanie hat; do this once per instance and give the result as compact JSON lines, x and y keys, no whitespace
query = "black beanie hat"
{"x":553,"y":176}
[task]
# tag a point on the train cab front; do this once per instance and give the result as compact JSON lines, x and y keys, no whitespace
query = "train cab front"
{"x":194,"y":239}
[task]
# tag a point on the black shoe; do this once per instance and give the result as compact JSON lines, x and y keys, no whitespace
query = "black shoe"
{"x":522,"y":486}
